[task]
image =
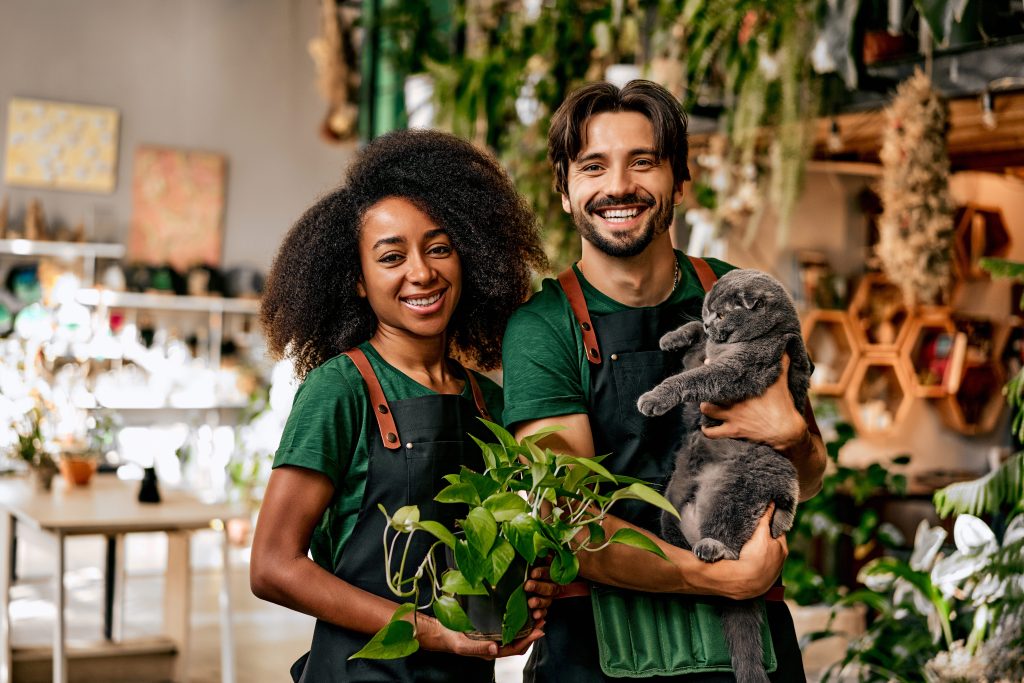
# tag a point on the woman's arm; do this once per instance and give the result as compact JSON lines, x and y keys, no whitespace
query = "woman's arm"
{"x":755,"y":571}
{"x":281,"y":571}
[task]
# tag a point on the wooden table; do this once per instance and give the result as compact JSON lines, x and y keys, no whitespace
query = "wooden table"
{"x":109,"y":507}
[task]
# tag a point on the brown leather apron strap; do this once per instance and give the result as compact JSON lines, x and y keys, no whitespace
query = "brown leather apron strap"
{"x":775,"y":594}
{"x":478,"y":396}
{"x":381,"y":410}
{"x":706,"y":276}
{"x":573,"y":292}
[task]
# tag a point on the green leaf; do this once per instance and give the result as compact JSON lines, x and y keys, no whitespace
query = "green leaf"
{"x":637,"y":540}
{"x":490,"y":459}
{"x":453,"y":581}
{"x":504,"y":437}
{"x":481,"y":529}
{"x":485,"y":486}
{"x":500,"y":559}
{"x":646,"y":494}
{"x":472,"y":564}
{"x":405,"y":518}
{"x":597,"y":535}
{"x":505,"y":506}
{"x":459,"y":493}
{"x":593,"y":466}
{"x":536,"y":454}
{"x":564,"y":567}
{"x":516,"y":612}
{"x":520,"y":530}
{"x":542,"y":544}
{"x":541,"y":433}
{"x":438,"y":531}
{"x":397,"y":639}
{"x":450,"y":613}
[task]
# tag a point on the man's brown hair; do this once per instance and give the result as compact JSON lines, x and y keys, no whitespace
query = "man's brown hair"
{"x":565,"y":138}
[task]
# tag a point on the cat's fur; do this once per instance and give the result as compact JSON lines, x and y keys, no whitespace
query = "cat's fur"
{"x":721,"y":487}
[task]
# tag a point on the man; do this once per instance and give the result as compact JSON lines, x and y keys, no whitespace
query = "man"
{"x":583,"y":349}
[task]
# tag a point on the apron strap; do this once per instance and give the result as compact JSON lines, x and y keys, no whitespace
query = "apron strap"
{"x":381,"y":410}
{"x":574,"y":293}
{"x":478,"y":396}
{"x":706,"y":276}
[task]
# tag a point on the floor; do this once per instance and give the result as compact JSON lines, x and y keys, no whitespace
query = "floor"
{"x":268,"y":637}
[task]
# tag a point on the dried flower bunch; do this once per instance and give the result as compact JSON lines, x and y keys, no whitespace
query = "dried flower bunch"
{"x":916,"y":227}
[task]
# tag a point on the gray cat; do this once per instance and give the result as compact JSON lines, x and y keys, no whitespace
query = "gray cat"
{"x":721,"y":487}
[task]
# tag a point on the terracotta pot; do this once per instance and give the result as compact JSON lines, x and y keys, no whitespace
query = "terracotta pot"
{"x":77,"y":471}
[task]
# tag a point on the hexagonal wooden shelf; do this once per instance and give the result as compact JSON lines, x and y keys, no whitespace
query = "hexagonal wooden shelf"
{"x":879,"y":315}
{"x":833,"y":349}
{"x":878,"y":396}
{"x":932,"y":353}
{"x":980,"y":231}
{"x":984,"y":337}
{"x":976,"y":406}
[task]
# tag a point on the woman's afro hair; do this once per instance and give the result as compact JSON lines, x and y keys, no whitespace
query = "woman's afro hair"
{"x":310,"y":310}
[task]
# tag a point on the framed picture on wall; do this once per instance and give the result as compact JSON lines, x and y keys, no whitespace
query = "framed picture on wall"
{"x":177,"y":207}
{"x":61,"y":146}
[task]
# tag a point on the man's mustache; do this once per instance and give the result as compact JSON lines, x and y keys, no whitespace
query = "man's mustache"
{"x":604,"y":202}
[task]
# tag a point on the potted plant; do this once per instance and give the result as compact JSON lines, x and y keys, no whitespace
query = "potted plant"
{"x":79,"y":461}
{"x":528,"y":503}
{"x":28,"y":447}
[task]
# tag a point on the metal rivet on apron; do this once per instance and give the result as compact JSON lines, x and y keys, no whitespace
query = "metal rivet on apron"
{"x":593,"y":352}
{"x":383,"y":409}
{"x":585,"y":326}
{"x":615,"y":356}
{"x":409,"y":445}
{"x":392,"y":437}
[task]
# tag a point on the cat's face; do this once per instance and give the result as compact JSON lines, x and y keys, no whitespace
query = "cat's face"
{"x":743,"y":305}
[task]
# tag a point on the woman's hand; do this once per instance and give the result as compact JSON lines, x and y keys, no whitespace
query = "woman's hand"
{"x":542,"y":591}
{"x":434,"y":636}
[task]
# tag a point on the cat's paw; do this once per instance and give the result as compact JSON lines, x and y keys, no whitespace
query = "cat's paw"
{"x":710,"y":550}
{"x":650,"y":405}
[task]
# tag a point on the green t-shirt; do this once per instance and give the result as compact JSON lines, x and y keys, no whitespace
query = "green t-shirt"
{"x":546,"y":371}
{"x":330,"y":429}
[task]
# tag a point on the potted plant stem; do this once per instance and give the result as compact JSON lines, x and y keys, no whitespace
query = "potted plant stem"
{"x":528,"y":503}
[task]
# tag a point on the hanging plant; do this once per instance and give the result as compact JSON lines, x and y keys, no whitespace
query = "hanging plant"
{"x":916,"y":228}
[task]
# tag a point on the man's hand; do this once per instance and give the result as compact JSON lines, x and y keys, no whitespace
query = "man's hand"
{"x":771,"y":419}
{"x":759,"y":564}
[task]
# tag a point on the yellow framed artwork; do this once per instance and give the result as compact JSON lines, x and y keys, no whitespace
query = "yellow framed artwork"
{"x":61,"y":146}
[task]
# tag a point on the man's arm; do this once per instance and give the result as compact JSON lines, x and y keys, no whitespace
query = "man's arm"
{"x":772,"y":419}
{"x":627,"y":567}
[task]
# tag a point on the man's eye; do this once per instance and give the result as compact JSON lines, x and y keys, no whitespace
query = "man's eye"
{"x":591,"y":168}
{"x":644,"y":162}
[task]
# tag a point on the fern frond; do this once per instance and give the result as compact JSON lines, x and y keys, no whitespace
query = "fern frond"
{"x":989,"y":494}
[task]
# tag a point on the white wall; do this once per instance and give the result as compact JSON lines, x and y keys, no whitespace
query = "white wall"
{"x":230,"y":76}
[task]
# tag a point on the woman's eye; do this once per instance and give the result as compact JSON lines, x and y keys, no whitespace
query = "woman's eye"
{"x":440,"y":250}
{"x":389,"y":258}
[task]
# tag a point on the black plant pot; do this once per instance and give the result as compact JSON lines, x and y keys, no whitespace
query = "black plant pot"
{"x":487,"y":612}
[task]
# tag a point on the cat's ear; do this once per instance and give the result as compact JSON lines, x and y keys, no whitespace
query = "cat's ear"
{"x":750,"y":301}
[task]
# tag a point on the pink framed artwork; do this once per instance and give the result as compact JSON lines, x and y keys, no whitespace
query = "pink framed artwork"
{"x":177,"y":207}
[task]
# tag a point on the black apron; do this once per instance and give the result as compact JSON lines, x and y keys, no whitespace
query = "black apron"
{"x":625,"y":362}
{"x":421,"y":440}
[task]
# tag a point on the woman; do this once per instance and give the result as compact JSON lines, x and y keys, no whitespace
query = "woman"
{"x":423,"y":254}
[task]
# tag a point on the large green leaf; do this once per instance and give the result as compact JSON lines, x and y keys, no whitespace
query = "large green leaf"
{"x":597,"y":535}
{"x":485,"y":486}
{"x":488,"y":453}
{"x":405,"y":518}
{"x":564,"y":567}
{"x":646,"y":494}
{"x":397,"y":639}
{"x":505,"y":506}
{"x":504,"y":437}
{"x":472,"y":564}
{"x":463,"y":492}
{"x":500,"y":558}
{"x":453,"y":581}
{"x":450,"y":613}
{"x":481,"y":529}
{"x":636,"y":539}
{"x":516,"y":612}
{"x":593,"y":466}
{"x":438,"y":531}
{"x":520,"y":531}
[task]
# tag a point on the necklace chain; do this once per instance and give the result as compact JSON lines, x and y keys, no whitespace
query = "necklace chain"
{"x":675,"y":274}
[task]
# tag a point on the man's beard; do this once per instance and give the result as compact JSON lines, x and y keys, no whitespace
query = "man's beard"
{"x":657,"y":223}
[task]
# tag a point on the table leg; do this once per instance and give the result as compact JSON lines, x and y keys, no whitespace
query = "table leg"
{"x":6,"y":576}
{"x":178,"y":598}
{"x":60,"y":654}
{"x":113,"y":589}
{"x":227,"y":632}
